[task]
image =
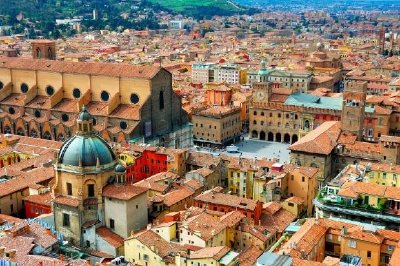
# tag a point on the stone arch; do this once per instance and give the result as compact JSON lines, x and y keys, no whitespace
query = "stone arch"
{"x":286,"y":138}
{"x":33,"y":133}
{"x":262,"y":135}
{"x":278,"y":137}
{"x":254,"y":134}
{"x":306,"y":124}
{"x":7,"y":130}
{"x":47,"y":135}
{"x":270,"y":136}
{"x":20,"y":131}
{"x":61,"y":137}
{"x":295,"y":138}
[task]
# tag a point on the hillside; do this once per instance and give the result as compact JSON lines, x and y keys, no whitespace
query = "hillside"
{"x":203,"y":8}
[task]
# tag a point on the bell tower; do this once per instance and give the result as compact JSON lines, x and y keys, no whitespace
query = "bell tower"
{"x":44,"y":49}
{"x":353,"y":110}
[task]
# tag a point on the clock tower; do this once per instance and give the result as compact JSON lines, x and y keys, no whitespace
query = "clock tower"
{"x":262,"y":92}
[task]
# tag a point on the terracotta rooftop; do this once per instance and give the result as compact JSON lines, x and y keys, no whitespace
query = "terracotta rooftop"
{"x":42,"y":199}
{"x":249,"y":256}
{"x":227,"y":200}
{"x":161,"y":247}
{"x":210,"y":252}
{"x":67,"y":201}
{"x":89,"y":68}
{"x":110,"y":237}
{"x":123,"y":192}
{"x":321,"y":140}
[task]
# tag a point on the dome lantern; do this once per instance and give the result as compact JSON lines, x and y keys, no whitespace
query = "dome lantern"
{"x":85,"y":122}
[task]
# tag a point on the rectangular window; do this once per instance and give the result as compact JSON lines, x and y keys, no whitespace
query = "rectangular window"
{"x":91,"y":190}
{"x":69,"y":189}
{"x":66,"y":221}
{"x":112,"y":226}
{"x":369,"y":254}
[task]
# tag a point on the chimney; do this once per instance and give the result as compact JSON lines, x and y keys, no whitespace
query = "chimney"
{"x":48,"y":231}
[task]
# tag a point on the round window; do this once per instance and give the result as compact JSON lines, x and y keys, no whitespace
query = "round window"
{"x":64,"y":117}
{"x":24,"y":87}
{"x":76,"y":93}
{"x":37,"y":113}
{"x":123,"y":125}
{"x":105,"y":96}
{"x":49,"y":90}
{"x":134,"y":98}
{"x":1,"y":85}
{"x":11,"y":110}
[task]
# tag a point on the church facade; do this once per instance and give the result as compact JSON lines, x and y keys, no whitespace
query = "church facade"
{"x":41,"y":98}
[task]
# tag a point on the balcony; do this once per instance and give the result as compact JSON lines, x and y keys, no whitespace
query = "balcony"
{"x":356,"y":209}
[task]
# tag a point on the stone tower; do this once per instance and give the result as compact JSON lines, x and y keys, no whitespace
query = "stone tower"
{"x":262,"y":92}
{"x":353,"y":110}
{"x":44,"y":49}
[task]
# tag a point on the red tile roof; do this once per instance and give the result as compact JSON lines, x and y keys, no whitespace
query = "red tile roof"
{"x":321,"y":140}
{"x":89,"y":68}
{"x":110,"y":237}
{"x":123,"y":192}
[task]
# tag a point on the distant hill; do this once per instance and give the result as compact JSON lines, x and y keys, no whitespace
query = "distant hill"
{"x":42,"y":14}
{"x":203,"y":8}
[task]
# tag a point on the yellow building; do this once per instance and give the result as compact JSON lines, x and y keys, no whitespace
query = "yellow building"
{"x":294,"y":205}
{"x":217,"y":125}
{"x":148,"y":248}
{"x":242,"y":173}
{"x":319,"y":238}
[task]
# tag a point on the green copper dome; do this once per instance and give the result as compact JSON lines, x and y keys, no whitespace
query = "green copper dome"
{"x":84,"y":150}
{"x":120,"y":168}
{"x":84,"y":115}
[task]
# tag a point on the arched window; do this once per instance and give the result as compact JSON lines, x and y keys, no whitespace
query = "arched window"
{"x":254,"y":122}
{"x":161,"y":99}
{"x":50,"y":53}
{"x":1,"y":85}
{"x":38,"y":53}
{"x":306,"y":124}
{"x":255,"y":112}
